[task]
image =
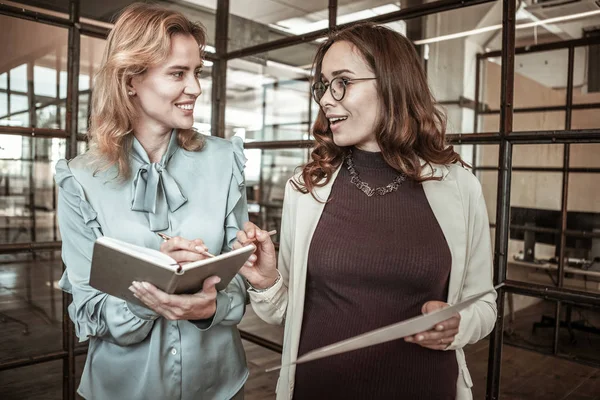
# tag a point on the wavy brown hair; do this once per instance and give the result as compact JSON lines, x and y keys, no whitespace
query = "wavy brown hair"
{"x":410,"y":127}
{"x":140,"y":38}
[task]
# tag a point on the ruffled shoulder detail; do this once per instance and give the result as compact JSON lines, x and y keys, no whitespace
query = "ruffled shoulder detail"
{"x":237,"y":208}
{"x":239,"y":160}
{"x":75,"y":195}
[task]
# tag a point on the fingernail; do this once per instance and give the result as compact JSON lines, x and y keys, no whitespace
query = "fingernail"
{"x":420,"y":337}
{"x":440,"y":327}
{"x":132,"y":289}
{"x":200,"y":248}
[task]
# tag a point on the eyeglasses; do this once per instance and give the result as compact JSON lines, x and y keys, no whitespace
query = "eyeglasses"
{"x":337,"y":87}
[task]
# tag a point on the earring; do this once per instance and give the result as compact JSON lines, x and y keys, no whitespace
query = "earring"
{"x":131,"y":93}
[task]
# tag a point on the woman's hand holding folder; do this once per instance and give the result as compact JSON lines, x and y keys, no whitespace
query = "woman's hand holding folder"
{"x":441,"y":335}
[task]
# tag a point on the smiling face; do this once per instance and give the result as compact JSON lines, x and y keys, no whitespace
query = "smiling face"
{"x":353,"y":119}
{"x":165,"y":94}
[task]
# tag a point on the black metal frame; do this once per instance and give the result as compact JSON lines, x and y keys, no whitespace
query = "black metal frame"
{"x":505,"y":138}
{"x":559,"y":294}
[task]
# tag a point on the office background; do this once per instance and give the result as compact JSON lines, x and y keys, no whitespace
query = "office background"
{"x":519,"y":80}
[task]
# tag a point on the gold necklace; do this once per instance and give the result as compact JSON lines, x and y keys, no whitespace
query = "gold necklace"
{"x":364,"y":186}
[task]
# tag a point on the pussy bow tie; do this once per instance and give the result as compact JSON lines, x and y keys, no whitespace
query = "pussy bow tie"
{"x":154,"y":189}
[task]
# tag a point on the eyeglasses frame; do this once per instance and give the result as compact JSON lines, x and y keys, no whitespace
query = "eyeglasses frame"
{"x":345,"y":82}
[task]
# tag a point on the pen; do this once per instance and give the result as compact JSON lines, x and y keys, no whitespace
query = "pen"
{"x":270,"y":233}
{"x":206,"y":253}
{"x":167,"y":237}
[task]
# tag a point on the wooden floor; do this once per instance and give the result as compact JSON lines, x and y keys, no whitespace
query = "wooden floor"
{"x":525,"y":374}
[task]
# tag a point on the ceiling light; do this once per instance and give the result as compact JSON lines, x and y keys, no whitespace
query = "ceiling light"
{"x":299,"y":26}
{"x":297,"y":70}
{"x":499,"y":26}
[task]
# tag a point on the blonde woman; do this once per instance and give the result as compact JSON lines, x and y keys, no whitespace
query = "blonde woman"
{"x":146,"y":172}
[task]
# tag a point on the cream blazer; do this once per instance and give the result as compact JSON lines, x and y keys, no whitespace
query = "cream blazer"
{"x":458,"y":205}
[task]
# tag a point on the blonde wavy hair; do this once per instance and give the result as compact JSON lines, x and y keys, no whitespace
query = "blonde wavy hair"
{"x":140,"y":38}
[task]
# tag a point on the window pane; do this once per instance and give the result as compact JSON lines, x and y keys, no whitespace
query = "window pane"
{"x":541,"y":79}
{"x":18,"y":103}
{"x":580,"y":334}
{"x":63,"y":81}
{"x":3,"y":104}
{"x":487,"y":155}
{"x":45,"y":52}
{"x":45,"y":81}
{"x":585,"y":119}
{"x":527,"y":319}
{"x":10,"y":148}
{"x":526,"y":374}
{"x":90,"y":59}
{"x":484,"y":160}
{"x":267,"y":173}
{"x":584,"y":193}
{"x":585,"y":155}
{"x":489,"y":186}
{"x":582,"y":248}
{"x":451,"y":63}
{"x":586,"y":79}
{"x":539,"y":121}
{"x":48,"y":117}
{"x":535,"y":204}
{"x":270,"y":99}
{"x":489,"y":123}
{"x":538,"y":155}
{"x":21,"y":119}
{"x":28,"y":193}
{"x":255,"y":22}
{"x":18,"y":75}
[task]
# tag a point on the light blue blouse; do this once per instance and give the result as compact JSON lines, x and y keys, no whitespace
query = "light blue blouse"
{"x":133,"y":352}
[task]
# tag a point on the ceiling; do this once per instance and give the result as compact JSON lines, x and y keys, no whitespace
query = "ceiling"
{"x":547,"y":68}
{"x":245,"y":78}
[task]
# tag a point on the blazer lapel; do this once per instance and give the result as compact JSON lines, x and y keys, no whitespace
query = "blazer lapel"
{"x":308,"y":213}
{"x":445,"y":200}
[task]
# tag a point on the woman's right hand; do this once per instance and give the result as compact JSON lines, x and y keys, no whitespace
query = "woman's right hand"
{"x":261,"y":268}
{"x":183,"y":250}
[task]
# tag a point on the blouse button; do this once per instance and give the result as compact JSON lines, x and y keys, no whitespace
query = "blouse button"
{"x":174,"y":351}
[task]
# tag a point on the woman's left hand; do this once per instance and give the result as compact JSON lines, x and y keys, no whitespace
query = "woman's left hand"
{"x":201,"y":305}
{"x":441,"y":335}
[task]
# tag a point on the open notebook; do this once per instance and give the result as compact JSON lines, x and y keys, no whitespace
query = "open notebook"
{"x":116,"y":264}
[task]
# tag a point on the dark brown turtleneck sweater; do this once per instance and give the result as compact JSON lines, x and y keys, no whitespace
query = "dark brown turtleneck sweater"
{"x":374,"y":261}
